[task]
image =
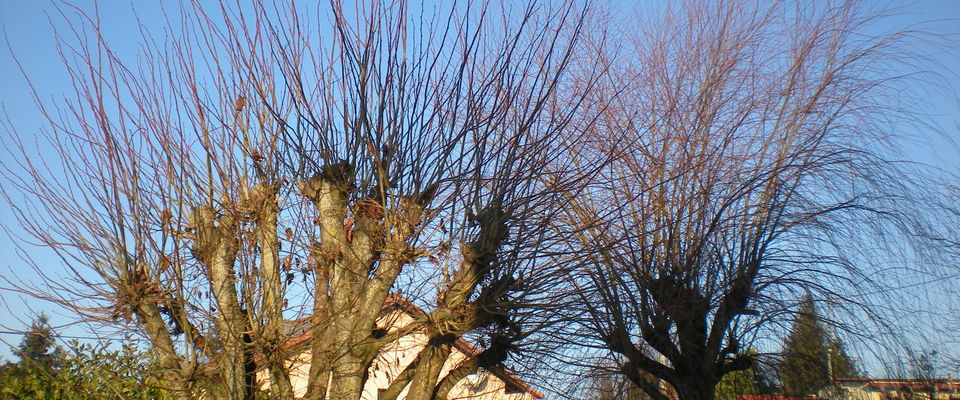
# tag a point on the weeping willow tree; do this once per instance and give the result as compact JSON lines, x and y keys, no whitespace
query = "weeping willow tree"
{"x":753,"y":163}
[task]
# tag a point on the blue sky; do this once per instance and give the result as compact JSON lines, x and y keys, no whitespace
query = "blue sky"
{"x":29,"y":35}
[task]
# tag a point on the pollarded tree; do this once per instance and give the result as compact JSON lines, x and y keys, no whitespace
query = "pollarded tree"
{"x":752,"y":165}
{"x":267,"y":162}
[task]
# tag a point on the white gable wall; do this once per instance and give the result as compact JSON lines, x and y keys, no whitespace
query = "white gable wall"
{"x":394,"y":358}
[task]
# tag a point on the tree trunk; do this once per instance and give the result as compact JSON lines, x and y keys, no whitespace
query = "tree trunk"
{"x":263,"y":202}
{"x":215,"y":245}
{"x":695,"y":388}
{"x":348,"y":374}
{"x":320,"y":345}
{"x":336,"y":337}
{"x":167,"y":358}
{"x":424,"y":382}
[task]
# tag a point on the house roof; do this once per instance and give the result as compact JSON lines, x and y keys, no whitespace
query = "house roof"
{"x":940,"y":384}
{"x":775,"y":397}
{"x":396,"y":302}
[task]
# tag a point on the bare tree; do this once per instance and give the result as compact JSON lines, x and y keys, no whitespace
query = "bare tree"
{"x":753,"y":166}
{"x":256,"y":164}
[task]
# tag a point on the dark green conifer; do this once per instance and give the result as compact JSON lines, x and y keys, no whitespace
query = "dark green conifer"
{"x":38,"y":348}
{"x":805,"y":369}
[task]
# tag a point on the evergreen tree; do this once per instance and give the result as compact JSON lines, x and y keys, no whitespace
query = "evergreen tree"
{"x":805,"y":369}
{"x":843,"y":366}
{"x":37,"y":349}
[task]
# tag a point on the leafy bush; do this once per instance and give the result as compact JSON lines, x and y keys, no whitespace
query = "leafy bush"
{"x":82,"y":372}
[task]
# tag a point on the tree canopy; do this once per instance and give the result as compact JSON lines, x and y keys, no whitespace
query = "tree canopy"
{"x":564,"y":185}
{"x":261,"y":166}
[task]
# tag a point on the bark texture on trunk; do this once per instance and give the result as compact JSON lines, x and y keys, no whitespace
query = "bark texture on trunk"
{"x":456,"y":315}
{"x":695,"y":388}
{"x":345,"y":255}
{"x":361,"y":249}
{"x":261,"y":204}
{"x":171,"y":365}
{"x":424,"y":382}
{"x":215,"y":244}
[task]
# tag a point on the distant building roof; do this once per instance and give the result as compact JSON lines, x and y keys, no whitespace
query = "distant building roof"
{"x":775,"y":397}
{"x":940,"y":384}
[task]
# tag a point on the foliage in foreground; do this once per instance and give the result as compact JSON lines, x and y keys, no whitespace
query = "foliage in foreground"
{"x":78,"y":372}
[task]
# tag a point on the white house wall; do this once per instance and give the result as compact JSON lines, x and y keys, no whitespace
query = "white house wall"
{"x":394,"y":358}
